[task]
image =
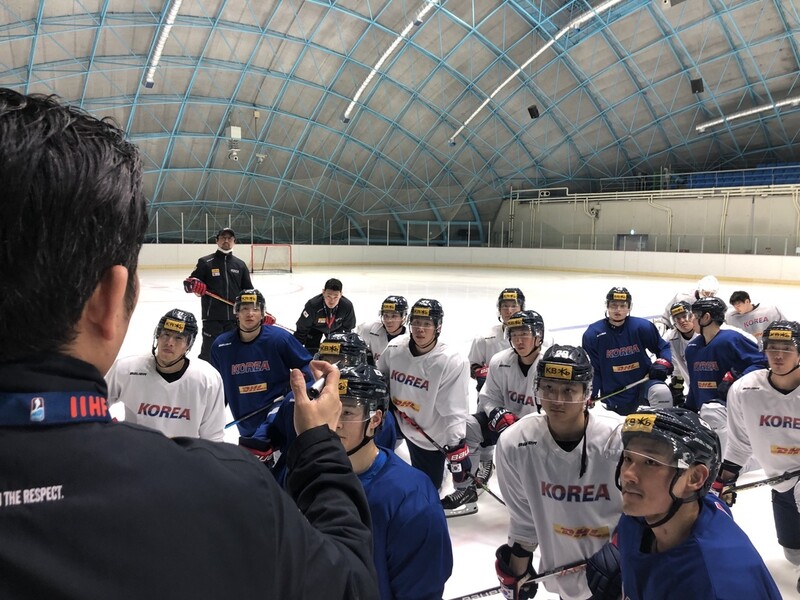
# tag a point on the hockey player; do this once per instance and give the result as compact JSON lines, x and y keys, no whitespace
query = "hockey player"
{"x":428,"y":384}
{"x":167,"y":391}
{"x":715,"y":358}
{"x":760,"y":404}
{"x":617,"y":346}
{"x":507,"y":396}
{"x":324,"y":314}
{"x":344,"y":350}
{"x":224,"y":275}
{"x":97,"y":509}
{"x":749,"y":317}
{"x":676,"y":540}
{"x":557,"y":471}
{"x":392,"y":323}
{"x":708,"y":286}
{"x":411,"y":543}
{"x":255,"y":360}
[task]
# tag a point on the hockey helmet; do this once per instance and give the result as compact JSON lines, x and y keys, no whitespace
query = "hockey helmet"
{"x":180,"y":322}
{"x":712,"y":305}
{"x":429,"y":309}
{"x":251,"y":296}
{"x":691,"y":439}
{"x":619,"y":294}
{"x":707,"y":286}
{"x":394,"y":304}
{"x":565,"y":363}
{"x":345,"y":349}
{"x":781,"y":331}
{"x":514,"y":294}
{"x":526,"y":319}
{"x":678,"y":309}
{"x":365,"y":385}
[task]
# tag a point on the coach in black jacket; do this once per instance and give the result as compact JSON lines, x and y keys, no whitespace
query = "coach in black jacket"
{"x":326,"y":313}
{"x":223,"y":275}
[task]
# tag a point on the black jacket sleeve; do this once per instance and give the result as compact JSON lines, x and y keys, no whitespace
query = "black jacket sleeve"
{"x":304,"y":322}
{"x":349,"y":321}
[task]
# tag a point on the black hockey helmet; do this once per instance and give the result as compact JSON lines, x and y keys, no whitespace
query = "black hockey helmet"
{"x":619,"y":294}
{"x":527,"y":319}
{"x":394,"y":304}
{"x":565,"y":363}
{"x":345,"y":349}
{"x":514,"y":294}
{"x":781,"y":331}
{"x":251,"y":296}
{"x":692,"y":440}
{"x":366,"y":385}
{"x":178,"y":321}
{"x":712,"y":305}
{"x":678,"y":309}
{"x":429,"y":309}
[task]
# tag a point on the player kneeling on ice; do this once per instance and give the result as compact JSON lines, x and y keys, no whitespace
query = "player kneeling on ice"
{"x":557,"y":471}
{"x":676,"y":540}
{"x":167,"y":391}
{"x":412,"y":549}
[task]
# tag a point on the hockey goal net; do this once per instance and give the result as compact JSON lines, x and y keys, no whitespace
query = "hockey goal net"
{"x":270,"y":258}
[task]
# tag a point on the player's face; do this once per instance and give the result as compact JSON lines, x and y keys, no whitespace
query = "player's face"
{"x":684,"y":322}
{"x":743,"y":307}
{"x":782,"y":357}
{"x":331,"y":298}
{"x":392,"y":321}
{"x":617,"y":311}
{"x":562,"y":401}
{"x":648,"y":467}
{"x":508,"y":308}
{"x":170,"y":346}
{"x":522,"y":340}
{"x":250,"y":315}
{"x":423,"y":331}
{"x":350,"y":428}
{"x":226,"y":241}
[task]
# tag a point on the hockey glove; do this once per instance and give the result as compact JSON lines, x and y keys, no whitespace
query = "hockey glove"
{"x":603,"y":573}
{"x":269,"y":319}
{"x":660,"y":369}
{"x":515,"y":587}
{"x":728,"y":474}
{"x":261,"y":449}
{"x":458,"y":461}
{"x":723,"y":387}
{"x":500,"y":419}
{"x":480,"y":371}
{"x":192,"y":285}
{"x":676,"y":385}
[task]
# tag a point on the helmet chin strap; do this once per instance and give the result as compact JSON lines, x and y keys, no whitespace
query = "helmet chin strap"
{"x":239,"y":324}
{"x":789,"y":372}
{"x":533,"y":350}
{"x":676,"y":502}
{"x":366,"y":439}
{"x":167,"y":365}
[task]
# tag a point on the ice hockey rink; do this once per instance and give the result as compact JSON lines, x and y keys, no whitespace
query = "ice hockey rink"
{"x":568,"y":302}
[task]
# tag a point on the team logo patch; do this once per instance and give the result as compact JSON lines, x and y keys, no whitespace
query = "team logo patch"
{"x":330,"y":348}
{"x":625,"y":368}
{"x":37,"y":409}
{"x":517,"y":322}
{"x":249,"y":299}
{"x":707,"y":385}
{"x":582,"y":532}
{"x":557,"y":371}
{"x":389,"y":307}
{"x":780,"y":334}
{"x":677,"y":310}
{"x":786,"y":451}
{"x":343,"y":387}
{"x":215,"y":272}
{"x":619,"y":296}
{"x":643,"y":422}
{"x":252,"y":389}
{"x":509,"y":295}
{"x":174,"y":325}
{"x":322,"y":320}
{"x":421,"y":311}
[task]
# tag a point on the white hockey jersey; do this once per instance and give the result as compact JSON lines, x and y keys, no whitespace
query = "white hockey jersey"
{"x":569,"y":517}
{"x":376,"y":337}
{"x":484,"y":347}
{"x":431,"y":389}
{"x":506,"y":386}
{"x":192,"y":406}
{"x":755,"y":321}
{"x":765,"y":423}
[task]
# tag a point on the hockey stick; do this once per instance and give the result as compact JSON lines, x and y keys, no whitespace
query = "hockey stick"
{"x":754,"y":484}
{"x":314,"y":391}
{"x":229,"y":303}
{"x":622,"y":389}
{"x":414,"y":424}
{"x":563,"y":570}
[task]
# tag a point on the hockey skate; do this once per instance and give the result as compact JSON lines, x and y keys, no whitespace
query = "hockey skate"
{"x":461,"y":502}
{"x":484,"y":474}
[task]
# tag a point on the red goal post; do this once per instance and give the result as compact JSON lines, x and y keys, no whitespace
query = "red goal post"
{"x":270,"y":258}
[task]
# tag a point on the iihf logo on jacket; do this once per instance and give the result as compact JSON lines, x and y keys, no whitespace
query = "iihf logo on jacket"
{"x":37,"y":409}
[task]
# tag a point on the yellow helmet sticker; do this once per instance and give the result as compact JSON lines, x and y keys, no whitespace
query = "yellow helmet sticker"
{"x":330,"y":348}
{"x":517,"y":322}
{"x":509,"y":295}
{"x":619,"y":296}
{"x":389,"y":307}
{"x":780,"y":334}
{"x":643,"y":422}
{"x":421,"y":311}
{"x":343,"y":387}
{"x":174,"y":325}
{"x":557,"y":371}
{"x":249,"y":299}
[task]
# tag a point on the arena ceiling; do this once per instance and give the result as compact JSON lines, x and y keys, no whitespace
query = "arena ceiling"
{"x":442,"y":129}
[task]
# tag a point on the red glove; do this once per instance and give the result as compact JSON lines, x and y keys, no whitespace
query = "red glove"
{"x":480,"y":372}
{"x":261,"y":449}
{"x":194,"y":285}
{"x":269,"y":319}
{"x":660,"y":369}
{"x":515,"y":587}
{"x":500,"y":419}
{"x":458,"y":461}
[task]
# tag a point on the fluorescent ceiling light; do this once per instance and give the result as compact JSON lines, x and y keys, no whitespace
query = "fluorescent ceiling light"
{"x":794,"y":101}
{"x":155,"y":57}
